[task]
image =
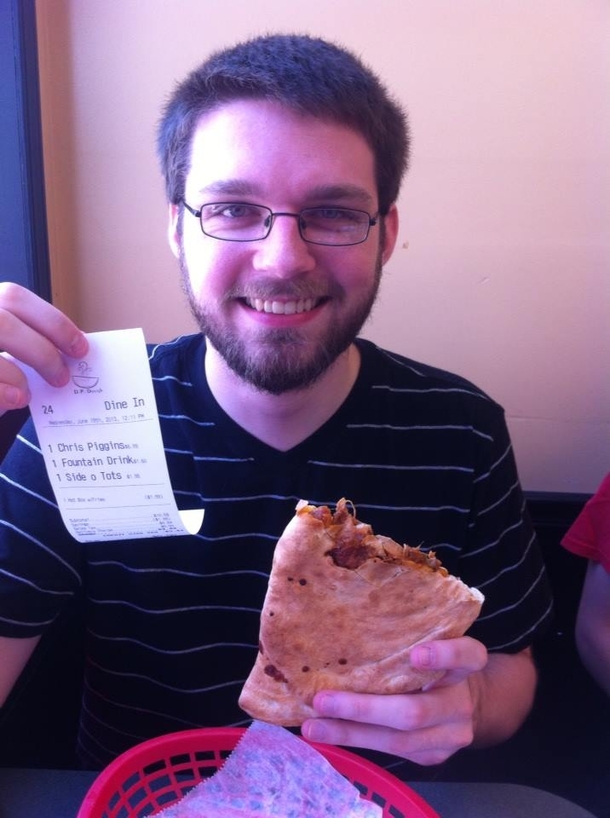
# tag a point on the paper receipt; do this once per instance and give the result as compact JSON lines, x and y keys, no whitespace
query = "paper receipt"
{"x":101,"y":441}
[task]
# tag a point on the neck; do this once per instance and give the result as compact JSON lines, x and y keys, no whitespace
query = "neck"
{"x":282,"y":421}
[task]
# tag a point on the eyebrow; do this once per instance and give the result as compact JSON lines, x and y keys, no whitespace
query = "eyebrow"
{"x":229,"y":187}
{"x":342,"y":191}
{"x":330,"y":192}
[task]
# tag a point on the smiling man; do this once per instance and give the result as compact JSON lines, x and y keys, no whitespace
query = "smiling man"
{"x":295,"y":268}
{"x":283,"y":158}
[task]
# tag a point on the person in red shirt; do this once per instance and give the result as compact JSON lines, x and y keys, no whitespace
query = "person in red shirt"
{"x":589,"y":537}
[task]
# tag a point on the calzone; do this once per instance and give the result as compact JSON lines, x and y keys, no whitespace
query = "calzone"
{"x":343,"y":610}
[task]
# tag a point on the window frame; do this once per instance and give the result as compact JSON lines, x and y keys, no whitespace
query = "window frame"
{"x":24,"y":248}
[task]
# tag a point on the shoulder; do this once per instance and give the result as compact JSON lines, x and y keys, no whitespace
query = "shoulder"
{"x":589,"y":534}
{"x":400,"y":367}
{"x":395,"y":375}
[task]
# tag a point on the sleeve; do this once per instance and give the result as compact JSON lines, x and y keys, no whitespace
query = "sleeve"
{"x":589,"y":534}
{"x":39,"y":560}
{"x":503,"y":557}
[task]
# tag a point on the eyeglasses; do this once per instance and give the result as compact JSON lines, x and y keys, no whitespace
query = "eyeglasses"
{"x":242,"y":221}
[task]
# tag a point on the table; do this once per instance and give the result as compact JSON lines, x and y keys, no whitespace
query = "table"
{"x":28,"y":793}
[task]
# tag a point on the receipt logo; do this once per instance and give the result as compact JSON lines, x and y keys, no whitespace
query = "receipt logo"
{"x":84,"y":377}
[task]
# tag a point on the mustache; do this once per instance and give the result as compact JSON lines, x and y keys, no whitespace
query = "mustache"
{"x":291,"y":289}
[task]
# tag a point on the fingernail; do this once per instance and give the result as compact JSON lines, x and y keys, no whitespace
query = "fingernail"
{"x":422,"y":656}
{"x":13,"y":396}
{"x":325,"y":704}
{"x":315,"y":730}
{"x":61,"y":378}
{"x":78,"y":346}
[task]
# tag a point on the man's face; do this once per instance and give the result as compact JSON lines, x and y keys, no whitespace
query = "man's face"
{"x":279,"y":310}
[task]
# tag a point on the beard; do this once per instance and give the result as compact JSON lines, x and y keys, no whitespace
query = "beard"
{"x":281,"y":360}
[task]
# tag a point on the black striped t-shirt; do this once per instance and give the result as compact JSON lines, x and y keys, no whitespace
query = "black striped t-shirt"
{"x":172,"y":623}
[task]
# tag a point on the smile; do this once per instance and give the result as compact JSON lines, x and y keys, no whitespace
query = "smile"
{"x":282,"y":307}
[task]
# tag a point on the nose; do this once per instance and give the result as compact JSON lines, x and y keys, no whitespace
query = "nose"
{"x":284,"y":252}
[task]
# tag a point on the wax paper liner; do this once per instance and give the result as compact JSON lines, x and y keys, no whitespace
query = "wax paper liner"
{"x":272,"y":772}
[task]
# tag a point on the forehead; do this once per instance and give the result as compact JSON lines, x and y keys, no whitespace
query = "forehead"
{"x":259,"y":147}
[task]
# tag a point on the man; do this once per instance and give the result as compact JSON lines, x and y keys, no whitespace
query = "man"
{"x":283,"y":159}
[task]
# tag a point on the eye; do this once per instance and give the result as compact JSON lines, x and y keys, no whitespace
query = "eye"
{"x":233,"y":210}
{"x":336,"y":214}
{"x":334,"y":219}
{"x":232,"y":220}
{"x":337,"y":217}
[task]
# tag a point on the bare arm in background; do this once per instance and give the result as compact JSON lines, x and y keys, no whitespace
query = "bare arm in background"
{"x":593,"y":624}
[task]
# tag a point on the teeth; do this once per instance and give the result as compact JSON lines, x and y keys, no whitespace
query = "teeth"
{"x":281,"y":307}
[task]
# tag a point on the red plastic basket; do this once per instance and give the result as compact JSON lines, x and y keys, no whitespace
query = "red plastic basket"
{"x":154,"y":774}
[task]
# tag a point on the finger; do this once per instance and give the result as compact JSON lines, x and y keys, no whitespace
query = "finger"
{"x":27,"y":346}
{"x":14,"y":391}
{"x":429,"y":746}
{"x":460,"y":656}
{"x":32,"y":309}
{"x":35,"y":333}
{"x":407,"y":711}
{"x":18,"y":303}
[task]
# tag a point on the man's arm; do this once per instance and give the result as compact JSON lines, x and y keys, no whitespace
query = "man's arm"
{"x":14,"y":655}
{"x":593,"y":624}
{"x":481,"y":700}
{"x":36,"y":333}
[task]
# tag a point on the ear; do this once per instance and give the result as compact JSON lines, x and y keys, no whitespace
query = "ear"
{"x":390,"y":233}
{"x":173,"y":233}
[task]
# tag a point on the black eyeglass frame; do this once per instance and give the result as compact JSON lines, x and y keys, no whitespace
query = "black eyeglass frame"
{"x":372,"y":221}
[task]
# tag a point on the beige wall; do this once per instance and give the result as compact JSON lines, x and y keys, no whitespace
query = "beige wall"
{"x":505,"y":211}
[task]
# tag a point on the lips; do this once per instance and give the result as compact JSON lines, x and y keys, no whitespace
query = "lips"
{"x":282,"y":307}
